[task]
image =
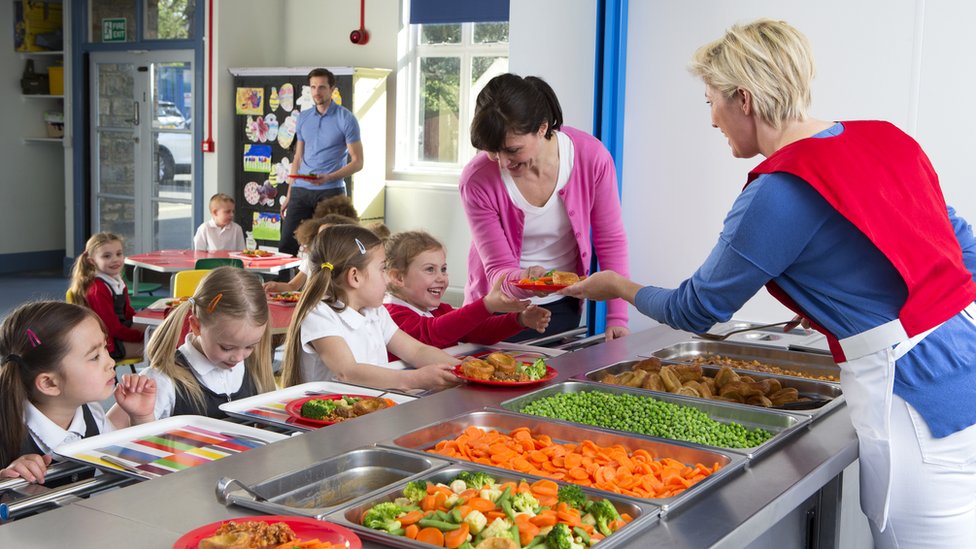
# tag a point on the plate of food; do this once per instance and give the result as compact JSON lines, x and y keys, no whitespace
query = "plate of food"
{"x":284,"y":298}
{"x":327,"y":409}
{"x":165,"y":303}
{"x":504,"y":369}
{"x":258,"y":255}
{"x":551,"y":281}
{"x":303,"y":176}
{"x":269,"y":531}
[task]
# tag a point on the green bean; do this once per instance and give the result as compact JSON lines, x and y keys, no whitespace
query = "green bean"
{"x":439,"y":524}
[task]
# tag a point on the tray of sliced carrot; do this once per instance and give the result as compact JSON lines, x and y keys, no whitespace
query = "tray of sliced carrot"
{"x":666,"y":474}
{"x":468,"y":503}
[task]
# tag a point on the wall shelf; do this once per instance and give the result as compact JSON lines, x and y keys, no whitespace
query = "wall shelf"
{"x":29,"y":140}
{"x":26,"y":54}
{"x":40,"y":96}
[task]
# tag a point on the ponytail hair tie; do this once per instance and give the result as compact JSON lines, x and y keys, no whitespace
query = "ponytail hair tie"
{"x":191,"y":301}
{"x":327,"y":265}
{"x":13,"y":357}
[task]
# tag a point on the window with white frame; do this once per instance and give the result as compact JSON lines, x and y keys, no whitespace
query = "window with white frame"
{"x":447,"y":66}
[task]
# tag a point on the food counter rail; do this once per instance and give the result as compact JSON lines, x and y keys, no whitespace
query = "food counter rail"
{"x":798,"y":482}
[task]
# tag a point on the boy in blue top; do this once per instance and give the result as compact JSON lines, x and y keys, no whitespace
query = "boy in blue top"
{"x":328,"y":146}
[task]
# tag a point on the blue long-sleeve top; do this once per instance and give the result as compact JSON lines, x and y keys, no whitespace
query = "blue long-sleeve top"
{"x":781,"y":229}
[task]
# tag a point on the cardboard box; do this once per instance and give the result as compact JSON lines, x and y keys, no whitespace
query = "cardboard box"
{"x":55,"y":79}
{"x":55,"y":124}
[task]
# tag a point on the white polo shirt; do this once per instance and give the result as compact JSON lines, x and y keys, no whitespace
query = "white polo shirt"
{"x":366,"y":334}
{"x":210,"y":237}
{"x":49,"y":435}
{"x":222,"y":381}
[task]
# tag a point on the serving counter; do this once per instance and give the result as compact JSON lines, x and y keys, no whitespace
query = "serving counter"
{"x":797,"y":484}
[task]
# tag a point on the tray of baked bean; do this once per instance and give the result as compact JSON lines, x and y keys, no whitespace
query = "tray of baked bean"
{"x":723,"y":384}
{"x":755,"y":358}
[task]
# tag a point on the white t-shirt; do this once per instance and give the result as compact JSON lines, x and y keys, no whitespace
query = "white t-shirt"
{"x":222,"y":381}
{"x":366,"y":334}
{"x":210,"y":237}
{"x":547,"y":237}
{"x":49,"y":435}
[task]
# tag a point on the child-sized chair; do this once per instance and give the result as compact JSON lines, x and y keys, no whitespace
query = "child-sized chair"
{"x":214,"y":262}
{"x":185,"y":282}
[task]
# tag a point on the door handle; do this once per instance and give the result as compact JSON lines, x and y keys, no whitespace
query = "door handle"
{"x":135,"y":105}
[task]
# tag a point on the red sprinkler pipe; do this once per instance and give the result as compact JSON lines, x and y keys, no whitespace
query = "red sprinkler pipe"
{"x":208,"y":144}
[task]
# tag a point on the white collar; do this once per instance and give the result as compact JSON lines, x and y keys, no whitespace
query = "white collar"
{"x":199,"y":361}
{"x":394,"y":300}
{"x":213,"y":225}
{"x":114,"y":282}
{"x":50,"y":435}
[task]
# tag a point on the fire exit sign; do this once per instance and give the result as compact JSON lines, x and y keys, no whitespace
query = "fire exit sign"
{"x":113,"y":30}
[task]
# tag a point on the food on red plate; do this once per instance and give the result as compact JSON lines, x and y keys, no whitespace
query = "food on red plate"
{"x":175,"y":302}
{"x":552,"y":278}
{"x":257,"y":253}
{"x":249,"y":535}
{"x":286,"y":297}
{"x":342,"y":408}
{"x":499,"y":366}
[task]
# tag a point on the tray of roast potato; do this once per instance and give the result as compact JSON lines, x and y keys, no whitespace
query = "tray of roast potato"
{"x":722,"y":383}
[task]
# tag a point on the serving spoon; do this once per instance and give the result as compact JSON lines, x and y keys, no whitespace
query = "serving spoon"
{"x":723,"y":337}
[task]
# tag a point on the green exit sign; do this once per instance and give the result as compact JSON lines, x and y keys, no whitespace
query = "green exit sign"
{"x":113,"y":30}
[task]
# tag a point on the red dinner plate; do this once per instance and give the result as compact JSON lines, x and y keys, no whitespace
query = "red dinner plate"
{"x":280,"y":300}
{"x":548,"y":288}
{"x":304,"y":176}
{"x":550,"y":373}
{"x":305,"y":528}
{"x":294,"y":408}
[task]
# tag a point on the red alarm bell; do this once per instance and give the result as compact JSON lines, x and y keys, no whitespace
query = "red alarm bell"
{"x":360,"y":36}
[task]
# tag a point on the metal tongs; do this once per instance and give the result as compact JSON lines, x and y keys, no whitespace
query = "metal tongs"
{"x":723,"y":337}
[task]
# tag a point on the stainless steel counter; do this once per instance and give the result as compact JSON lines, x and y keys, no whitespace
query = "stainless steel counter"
{"x":732,"y":514}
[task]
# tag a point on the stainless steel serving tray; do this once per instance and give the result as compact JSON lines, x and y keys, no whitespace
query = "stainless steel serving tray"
{"x":812,"y":364}
{"x":780,"y":424}
{"x":825,"y":390}
{"x":324,"y":487}
{"x":561,"y":431}
{"x":644,"y":514}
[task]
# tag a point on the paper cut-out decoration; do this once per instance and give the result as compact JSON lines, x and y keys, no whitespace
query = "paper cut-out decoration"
{"x":336,"y":96}
{"x":271,"y":121}
{"x":252,"y":193}
{"x":257,"y":158}
{"x":273,"y":99}
{"x":268,"y":194}
{"x":266,"y":226}
{"x":306,"y":101}
{"x":258,"y":128}
{"x":249,"y":132}
{"x":286,"y":133}
{"x":250,"y":100}
{"x":280,"y":172}
{"x":286,"y":97}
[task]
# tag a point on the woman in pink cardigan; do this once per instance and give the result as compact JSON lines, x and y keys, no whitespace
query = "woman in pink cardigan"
{"x":539,"y":197}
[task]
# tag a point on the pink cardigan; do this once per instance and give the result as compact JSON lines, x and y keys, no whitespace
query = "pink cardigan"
{"x":591,"y":202}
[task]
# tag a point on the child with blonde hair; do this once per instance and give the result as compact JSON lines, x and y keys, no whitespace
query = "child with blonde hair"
{"x":227,"y":354}
{"x":304,"y":234}
{"x":96,"y":282}
{"x":416,"y":264}
{"x":219,"y":232}
{"x":54,"y":373}
{"x":341,"y":330}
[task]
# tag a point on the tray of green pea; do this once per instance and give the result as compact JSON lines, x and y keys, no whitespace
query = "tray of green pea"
{"x":748,"y":431}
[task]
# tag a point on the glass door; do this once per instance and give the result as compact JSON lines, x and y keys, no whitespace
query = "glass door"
{"x":142,"y":148}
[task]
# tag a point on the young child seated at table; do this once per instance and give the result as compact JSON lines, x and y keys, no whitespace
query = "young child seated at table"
{"x":340,"y":329}
{"x":96,"y":282}
{"x":55,"y":371}
{"x":304,"y":234}
{"x":227,"y":354}
{"x":416,"y":265}
{"x":339,"y":204}
{"x":219,"y":232}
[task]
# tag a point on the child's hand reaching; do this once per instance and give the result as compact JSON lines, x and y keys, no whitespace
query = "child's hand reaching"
{"x":30,"y":467}
{"x":535,"y":317}
{"x":435,"y":377}
{"x":498,"y":301}
{"x":273,"y":286}
{"x":136,"y":395}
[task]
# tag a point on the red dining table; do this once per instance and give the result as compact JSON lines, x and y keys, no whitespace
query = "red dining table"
{"x":174,"y":261}
{"x":280,"y":317}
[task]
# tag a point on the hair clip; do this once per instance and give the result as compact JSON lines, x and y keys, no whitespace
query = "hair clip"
{"x":32,"y":338}
{"x":214,"y":302}
{"x":362,"y":249}
{"x":327,"y":265}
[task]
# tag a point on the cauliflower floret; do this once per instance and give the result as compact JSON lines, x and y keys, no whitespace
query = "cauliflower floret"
{"x":458,"y":486}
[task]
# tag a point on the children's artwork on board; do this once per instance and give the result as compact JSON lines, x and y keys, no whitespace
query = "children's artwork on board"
{"x":258,"y":127}
{"x":257,"y":158}
{"x":280,"y":172}
{"x":305,"y":101}
{"x":336,"y":96}
{"x":249,"y":132}
{"x":286,"y":133}
{"x":252,"y":193}
{"x":273,"y":101}
{"x":271,"y":122}
{"x":266,"y":226}
{"x":250,"y":101}
{"x":286,"y":97}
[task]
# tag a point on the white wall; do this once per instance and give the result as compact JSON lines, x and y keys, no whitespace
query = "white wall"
{"x":896,"y":60}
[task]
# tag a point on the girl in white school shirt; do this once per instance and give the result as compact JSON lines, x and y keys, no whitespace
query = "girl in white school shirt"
{"x":341,"y":330}
{"x":225,"y":356}
{"x":55,"y":370}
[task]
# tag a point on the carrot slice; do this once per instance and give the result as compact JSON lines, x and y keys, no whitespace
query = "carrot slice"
{"x":411,"y":531}
{"x":481,"y":504}
{"x":455,"y":538}
{"x":410,"y":518}
{"x":527,"y":531}
{"x":432,"y":536}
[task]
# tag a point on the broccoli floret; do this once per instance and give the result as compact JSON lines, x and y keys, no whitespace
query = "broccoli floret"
{"x":318,"y":409}
{"x":525,"y":502}
{"x":604,"y":512}
{"x":534,"y":371}
{"x":383,"y":517}
{"x":499,"y":528}
{"x":560,"y":537}
{"x":415,"y":490}
{"x":573,"y":496}
{"x":476,"y":479}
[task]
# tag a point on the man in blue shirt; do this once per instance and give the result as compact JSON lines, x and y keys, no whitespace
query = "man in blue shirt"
{"x":328,"y":147}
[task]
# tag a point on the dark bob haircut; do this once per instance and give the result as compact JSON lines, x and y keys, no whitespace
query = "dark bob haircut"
{"x":510,"y":103}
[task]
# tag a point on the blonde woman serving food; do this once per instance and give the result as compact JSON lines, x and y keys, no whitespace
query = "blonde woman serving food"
{"x":873,"y":258}
{"x":540,"y":196}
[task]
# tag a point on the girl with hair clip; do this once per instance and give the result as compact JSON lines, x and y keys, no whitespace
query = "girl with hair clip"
{"x":96,"y":282}
{"x":55,"y":370}
{"x":227,"y":354}
{"x":341,"y":330}
{"x":417,"y":267}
